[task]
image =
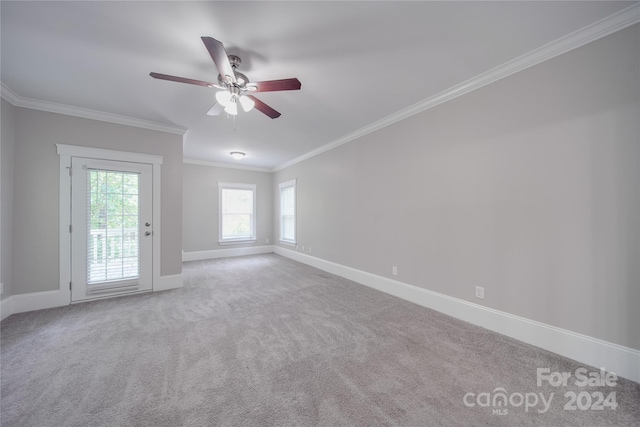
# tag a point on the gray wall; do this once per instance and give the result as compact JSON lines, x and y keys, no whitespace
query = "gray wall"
{"x":36,"y":178}
{"x":7,"y":124}
{"x":528,"y":187}
{"x":200,"y":198}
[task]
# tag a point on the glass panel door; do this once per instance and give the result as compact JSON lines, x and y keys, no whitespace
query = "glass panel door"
{"x":111,"y":241}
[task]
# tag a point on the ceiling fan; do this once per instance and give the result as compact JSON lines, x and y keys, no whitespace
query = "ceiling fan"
{"x":235,"y":87}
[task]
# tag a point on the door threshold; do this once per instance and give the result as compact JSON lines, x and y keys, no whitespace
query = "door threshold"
{"x":119,"y":294}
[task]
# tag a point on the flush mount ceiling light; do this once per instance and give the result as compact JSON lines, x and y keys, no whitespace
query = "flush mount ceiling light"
{"x":238,"y":155}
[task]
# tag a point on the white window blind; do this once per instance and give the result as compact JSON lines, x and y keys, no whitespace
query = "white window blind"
{"x":288,"y":211}
{"x":113,"y":231}
{"x":237,"y":222}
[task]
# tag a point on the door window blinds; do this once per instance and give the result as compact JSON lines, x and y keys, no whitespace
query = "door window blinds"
{"x":113,"y":226}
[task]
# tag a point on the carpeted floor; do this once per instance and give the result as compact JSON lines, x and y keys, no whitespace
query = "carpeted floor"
{"x":266,"y":341}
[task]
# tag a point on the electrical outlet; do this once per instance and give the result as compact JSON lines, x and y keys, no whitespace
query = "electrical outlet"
{"x":394,"y":270}
{"x":267,"y":241}
{"x":302,"y":248}
{"x":479,"y":292}
{"x":1,"y":288}
{"x":309,"y":249}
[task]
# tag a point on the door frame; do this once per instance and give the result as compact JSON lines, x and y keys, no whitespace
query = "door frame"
{"x":66,"y":152}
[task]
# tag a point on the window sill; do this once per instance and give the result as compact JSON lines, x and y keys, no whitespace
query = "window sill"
{"x":289,"y":243}
{"x":236,"y":242}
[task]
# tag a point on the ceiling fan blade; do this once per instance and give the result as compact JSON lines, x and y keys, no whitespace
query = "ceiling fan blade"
{"x":220,"y":58}
{"x":275,"y":85}
{"x":180,"y":79}
{"x":264,"y":108}
{"x":215,"y":110}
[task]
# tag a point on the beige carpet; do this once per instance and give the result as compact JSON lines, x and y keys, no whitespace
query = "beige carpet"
{"x":266,"y":341}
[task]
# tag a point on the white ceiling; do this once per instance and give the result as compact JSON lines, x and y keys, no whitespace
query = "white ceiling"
{"x":358,"y":61}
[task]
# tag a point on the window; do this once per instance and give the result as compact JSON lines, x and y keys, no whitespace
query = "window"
{"x":237,"y":219}
{"x":288,"y":212}
{"x":113,"y":231}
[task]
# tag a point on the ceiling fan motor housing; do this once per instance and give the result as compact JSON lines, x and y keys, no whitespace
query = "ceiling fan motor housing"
{"x":241,"y":79}
{"x":234,"y":61}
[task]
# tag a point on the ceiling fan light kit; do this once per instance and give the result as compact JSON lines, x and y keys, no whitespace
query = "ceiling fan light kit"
{"x":234,"y":87}
{"x":247,"y":103}
{"x":230,"y":98}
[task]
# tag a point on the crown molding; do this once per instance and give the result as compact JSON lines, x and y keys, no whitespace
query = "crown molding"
{"x":592,"y":32}
{"x":10,"y":96}
{"x":224,"y":165}
{"x":52,"y":107}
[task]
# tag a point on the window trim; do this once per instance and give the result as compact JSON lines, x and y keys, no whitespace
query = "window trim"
{"x":236,"y":186}
{"x":281,"y":186}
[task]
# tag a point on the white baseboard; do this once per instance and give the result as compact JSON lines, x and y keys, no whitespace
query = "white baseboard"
{"x":35,"y":301}
{"x":173,"y":281}
{"x":624,"y":361}
{"x":40,"y":300}
{"x":224,"y":253}
{"x":6,"y":307}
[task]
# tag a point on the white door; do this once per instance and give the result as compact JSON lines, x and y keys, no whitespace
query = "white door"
{"x":111,"y":229}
